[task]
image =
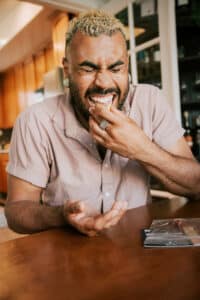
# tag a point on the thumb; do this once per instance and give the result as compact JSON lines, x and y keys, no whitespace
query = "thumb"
{"x":120,"y":205}
{"x":74,"y":207}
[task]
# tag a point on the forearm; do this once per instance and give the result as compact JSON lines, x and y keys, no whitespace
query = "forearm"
{"x":31,"y":216}
{"x":179,"y":175}
{"x":171,"y":185}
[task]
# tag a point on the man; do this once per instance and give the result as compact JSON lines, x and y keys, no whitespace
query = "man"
{"x":84,"y":158}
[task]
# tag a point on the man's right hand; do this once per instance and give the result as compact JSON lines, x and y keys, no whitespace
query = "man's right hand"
{"x":76,"y":215}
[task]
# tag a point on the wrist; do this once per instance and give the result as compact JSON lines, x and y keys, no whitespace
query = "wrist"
{"x":60,"y":220}
{"x":146,"y":151}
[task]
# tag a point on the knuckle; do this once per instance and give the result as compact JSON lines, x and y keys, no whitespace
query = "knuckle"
{"x":108,"y":143}
{"x":112,"y":132}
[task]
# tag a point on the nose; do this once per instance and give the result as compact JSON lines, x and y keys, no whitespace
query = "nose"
{"x":103,"y":79}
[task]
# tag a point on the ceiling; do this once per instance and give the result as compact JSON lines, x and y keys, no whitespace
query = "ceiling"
{"x":16,"y":14}
{"x":72,"y":5}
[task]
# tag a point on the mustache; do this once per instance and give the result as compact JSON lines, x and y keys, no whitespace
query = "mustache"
{"x":100,"y":91}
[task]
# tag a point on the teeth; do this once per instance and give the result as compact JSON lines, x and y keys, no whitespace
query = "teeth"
{"x":105,"y":100}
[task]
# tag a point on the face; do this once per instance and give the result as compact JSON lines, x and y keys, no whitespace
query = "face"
{"x":97,"y":68}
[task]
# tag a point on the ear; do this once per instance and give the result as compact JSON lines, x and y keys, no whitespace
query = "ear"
{"x":65,"y":67}
{"x":65,"y":72}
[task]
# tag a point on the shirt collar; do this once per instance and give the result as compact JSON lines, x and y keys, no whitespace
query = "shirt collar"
{"x":66,"y":120}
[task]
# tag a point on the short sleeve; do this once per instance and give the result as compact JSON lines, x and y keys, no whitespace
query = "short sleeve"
{"x":165,"y":128}
{"x":28,"y":155}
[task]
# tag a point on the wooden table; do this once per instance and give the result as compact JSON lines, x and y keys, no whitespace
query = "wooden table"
{"x":62,"y":264}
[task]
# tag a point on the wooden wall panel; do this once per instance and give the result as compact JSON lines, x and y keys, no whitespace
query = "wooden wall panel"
{"x":10,"y":105}
{"x":30,"y":82}
{"x":59,"y":30}
{"x":49,"y":59}
{"x":20,"y":87}
{"x":3,"y":174}
{"x":1,"y":106}
{"x":20,"y":82}
{"x":40,"y":69}
{"x":35,"y":36}
{"x":4,"y":177}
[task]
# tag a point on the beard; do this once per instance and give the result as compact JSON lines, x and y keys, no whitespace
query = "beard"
{"x":77,"y":103}
{"x":79,"y":107}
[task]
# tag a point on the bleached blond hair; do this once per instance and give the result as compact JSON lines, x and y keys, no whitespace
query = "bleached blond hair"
{"x":94,"y":23}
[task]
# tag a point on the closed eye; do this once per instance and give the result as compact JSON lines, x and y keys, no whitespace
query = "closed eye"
{"x":115,"y":70}
{"x":87,"y":69}
{"x":117,"y":66}
{"x":87,"y":66}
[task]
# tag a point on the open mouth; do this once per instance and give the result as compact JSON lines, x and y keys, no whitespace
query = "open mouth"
{"x":103,"y":99}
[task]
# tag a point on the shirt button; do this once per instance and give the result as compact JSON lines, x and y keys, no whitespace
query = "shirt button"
{"x":107,"y":194}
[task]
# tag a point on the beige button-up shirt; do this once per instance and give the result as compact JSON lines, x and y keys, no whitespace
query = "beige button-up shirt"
{"x":50,"y":149}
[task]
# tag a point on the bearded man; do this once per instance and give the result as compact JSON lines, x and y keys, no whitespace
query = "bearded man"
{"x":84,"y":158}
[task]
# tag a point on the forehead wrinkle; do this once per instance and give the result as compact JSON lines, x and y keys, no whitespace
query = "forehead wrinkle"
{"x":95,"y":49}
{"x":109,"y":64}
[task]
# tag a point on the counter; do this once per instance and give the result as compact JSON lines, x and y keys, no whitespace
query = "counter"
{"x":4,"y":151}
{"x":113,"y":265}
{"x":3,"y":175}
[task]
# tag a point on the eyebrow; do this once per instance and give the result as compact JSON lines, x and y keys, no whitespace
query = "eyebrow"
{"x":117,"y":63}
{"x":87,"y":63}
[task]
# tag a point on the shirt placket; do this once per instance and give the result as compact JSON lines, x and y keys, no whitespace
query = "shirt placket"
{"x":107,"y":183}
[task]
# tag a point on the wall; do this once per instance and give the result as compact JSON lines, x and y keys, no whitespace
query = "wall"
{"x":33,"y":37}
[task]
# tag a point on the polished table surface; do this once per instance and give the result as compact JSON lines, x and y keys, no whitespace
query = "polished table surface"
{"x":62,"y":264}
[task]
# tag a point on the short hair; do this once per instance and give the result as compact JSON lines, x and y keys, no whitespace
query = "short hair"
{"x":94,"y":23}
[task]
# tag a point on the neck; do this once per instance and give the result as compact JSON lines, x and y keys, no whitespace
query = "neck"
{"x":81,"y":118}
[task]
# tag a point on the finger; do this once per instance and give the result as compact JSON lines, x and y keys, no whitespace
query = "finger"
{"x":79,"y":221}
{"x":102,"y":220}
{"x":94,"y":117}
{"x":114,"y":111}
{"x":96,"y":129}
{"x":116,"y":212}
{"x":117,"y":112}
{"x":120,"y":205}
{"x":93,"y":225}
{"x":74,"y":207}
{"x":101,"y":110}
{"x":115,"y":220}
{"x":90,"y":233}
{"x":82,"y":221}
{"x":75,"y":218}
{"x":120,"y":115}
{"x":87,"y":224}
{"x":99,"y":140}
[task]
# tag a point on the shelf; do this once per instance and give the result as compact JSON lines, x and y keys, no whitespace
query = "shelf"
{"x":189,"y":59}
{"x":191,"y":106}
{"x":149,"y":72}
{"x":190,"y":63}
{"x":197,"y":87}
